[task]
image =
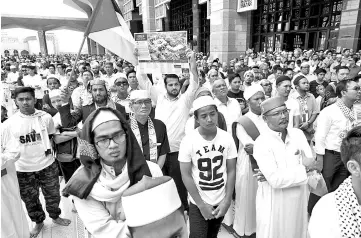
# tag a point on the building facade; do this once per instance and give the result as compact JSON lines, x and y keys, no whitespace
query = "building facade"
{"x":225,"y":29}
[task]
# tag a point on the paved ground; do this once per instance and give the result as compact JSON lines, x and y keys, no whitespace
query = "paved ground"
{"x":76,"y":228}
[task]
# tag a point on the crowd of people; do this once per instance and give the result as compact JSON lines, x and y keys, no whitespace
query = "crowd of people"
{"x":267,"y":145}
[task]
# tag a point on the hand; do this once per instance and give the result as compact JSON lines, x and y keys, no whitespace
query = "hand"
{"x":206,"y":211}
{"x":304,"y":126}
{"x":319,"y":163}
{"x":192,"y":60}
{"x":222,"y":208}
{"x":136,"y":52}
{"x":46,"y":106}
{"x":65,"y":95}
{"x":260,"y":177}
{"x":249,"y":149}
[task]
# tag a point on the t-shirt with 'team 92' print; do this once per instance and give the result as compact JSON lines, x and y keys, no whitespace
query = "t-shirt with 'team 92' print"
{"x":208,"y":158}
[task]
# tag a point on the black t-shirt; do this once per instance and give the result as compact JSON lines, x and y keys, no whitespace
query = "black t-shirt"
{"x":313,"y":86}
{"x":238,"y":96}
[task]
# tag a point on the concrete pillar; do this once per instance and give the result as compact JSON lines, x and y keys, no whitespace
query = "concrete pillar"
{"x":196,"y":25}
{"x":89,"y":47}
{"x":100,"y":49}
{"x":349,"y":34}
{"x":148,"y":16}
{"x":93,"y":47}
{"x":230,"y":31}
{"x":42,"y":42}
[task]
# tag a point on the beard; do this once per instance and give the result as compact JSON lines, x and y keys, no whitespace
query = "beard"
{"x":100,"y":99}
{"x":173,"y":92}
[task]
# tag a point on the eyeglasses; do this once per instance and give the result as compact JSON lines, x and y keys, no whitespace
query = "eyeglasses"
{"x":120,"y":83}
{"x":117,"y":138}
{"x":280,"y":113}
{"x":146,"y":102}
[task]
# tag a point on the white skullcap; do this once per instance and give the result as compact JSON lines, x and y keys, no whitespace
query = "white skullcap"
{"x":52,"y":76}
{"x":203,"y":102}
{"x":12,"y":67}
{"x":139,"y":94}
{"x":54,"y":93}
{"x":102,"y":117}
{"x":151,"y":200}
{"x":252,"y":90}
{"x":305,"y":64}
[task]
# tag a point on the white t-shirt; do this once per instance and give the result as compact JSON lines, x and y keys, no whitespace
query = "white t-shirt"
{"x":294,"y":108}
{"x":208,"y":158}
{"x":32,"y":149}
{"x":33,"y":81}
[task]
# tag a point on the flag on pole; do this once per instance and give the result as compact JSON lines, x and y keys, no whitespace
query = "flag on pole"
{"x":107,"y":27}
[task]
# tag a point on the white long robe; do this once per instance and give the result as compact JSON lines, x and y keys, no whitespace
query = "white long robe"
{"x":13,"y":218}
{"x":281,"y":204}
{"x":246,"y":185}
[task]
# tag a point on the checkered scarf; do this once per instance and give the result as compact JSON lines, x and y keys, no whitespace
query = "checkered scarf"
{"x":347,"y":112}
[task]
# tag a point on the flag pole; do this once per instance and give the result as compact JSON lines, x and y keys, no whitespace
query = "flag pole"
{"x":86,"y":33}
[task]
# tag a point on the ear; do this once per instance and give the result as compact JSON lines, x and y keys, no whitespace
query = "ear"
{"x":354,"y":168}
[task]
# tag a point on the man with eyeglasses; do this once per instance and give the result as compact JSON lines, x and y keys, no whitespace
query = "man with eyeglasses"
{"x":151,"y":134}
{"x":100,"y":99}
{"x":282,"y":155}
{"x":333,"y":123}
{"x":122,"y":97}
{"x":267,"y":87}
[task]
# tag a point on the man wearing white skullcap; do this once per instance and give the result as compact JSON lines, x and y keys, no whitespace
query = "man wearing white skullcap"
{"x":153,"y":209}
{"x":207,"y":160}
{"x":151,"y":134}
{"x":247,"y":129}
{"x":12,"y":75}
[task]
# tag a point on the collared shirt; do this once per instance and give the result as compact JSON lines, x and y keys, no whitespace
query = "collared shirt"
{"x":174,"y":113}
{"x":162,"y":138}
{"x":123,"y":102}
{"x":81,"y":97}
{"x":33,"y":81}
{"x":231,"y":111}
{"x":294,"y":108}
{"x":108,"y":171}
{"x":13,"y":77}
{"x":307,"y":104}
{"x":332,"y":127}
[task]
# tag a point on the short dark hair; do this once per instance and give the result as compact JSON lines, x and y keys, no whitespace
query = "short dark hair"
{"x":63,"y":66}
{"x":108,"y":63}
{"x":320,"y":70}
{"x":24,"y":90}
{"x":351,"y":146}
{"x":276,"y":68}
{"x":341,"y":86}
{"x":286,"y":70}
{"x":47,"y":81}
{"x":196,"y":112}
{"x":51,"y":65}
{"x":231,"y":77}
{"x":357,"y":79}
{"x":341,"y":67}
{"x":170,"y":76}
{"x":131,"y":71}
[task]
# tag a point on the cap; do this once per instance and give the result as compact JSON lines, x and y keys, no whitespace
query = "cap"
{"x":150,"y":200}
{"x":252,"y":90}
{"x":272,"y":103}
{"x":102,"y":117}
{"x":139,"y":94}
{"x":282,"y":78}
{"x":203,"y":102}
{"x":305,"y":64}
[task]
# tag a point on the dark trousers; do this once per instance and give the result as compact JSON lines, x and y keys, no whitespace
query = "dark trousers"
{"x":201,"y":228}
{"x":39,"y":104}
{"x":47,"y":179}
{"x":334,"y":172}
{"x":171,"y":168}
{"x":68,"y":168}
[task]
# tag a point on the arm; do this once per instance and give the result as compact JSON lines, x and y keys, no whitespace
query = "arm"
{"x":70,"y":119}
{"x":193,"y":81}
{"x":161,"y":161}
{"x":65,"y":136}
{"x":275,"y":176}
{"x":324,"y":123}
{"x":10,"y":148}
{"x":97,"y":219}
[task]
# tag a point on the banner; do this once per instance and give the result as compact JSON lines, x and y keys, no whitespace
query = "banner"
{"x":246,"y":5}
{"x":165,"y":51}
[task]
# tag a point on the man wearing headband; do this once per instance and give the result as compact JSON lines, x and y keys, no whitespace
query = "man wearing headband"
{"x":207,"y":160}
{"x":153,"y":209}
{"x":282,"y":156}
{"x":338,"y":214}
{"x":100,"y":99}
{"x":111,"y":162}
{"x":247,"y":129}
{"x":151,"y":134}
{"x":173,"y":110}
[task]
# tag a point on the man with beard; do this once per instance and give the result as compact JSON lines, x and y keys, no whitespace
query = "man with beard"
{"x":95,"y":69}
{"x":173,"y":110}
{"x":100,"y":99}
{"x":248,"y":128}
{"x":308,"y":106}
{"x":282,"y":155}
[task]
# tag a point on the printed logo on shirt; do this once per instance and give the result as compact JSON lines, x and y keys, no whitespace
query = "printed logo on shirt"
{"x":31,"y":138}
{"x":209,"y":176}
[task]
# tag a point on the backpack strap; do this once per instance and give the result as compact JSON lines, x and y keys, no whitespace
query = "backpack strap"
{"x":253,"y":132}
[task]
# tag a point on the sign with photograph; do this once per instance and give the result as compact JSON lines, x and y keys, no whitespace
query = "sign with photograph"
{"x":246,"y":5}
{"x":162,"y":50}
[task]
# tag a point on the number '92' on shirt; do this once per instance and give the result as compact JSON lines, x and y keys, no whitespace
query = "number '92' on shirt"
{"x":208,"y":158}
